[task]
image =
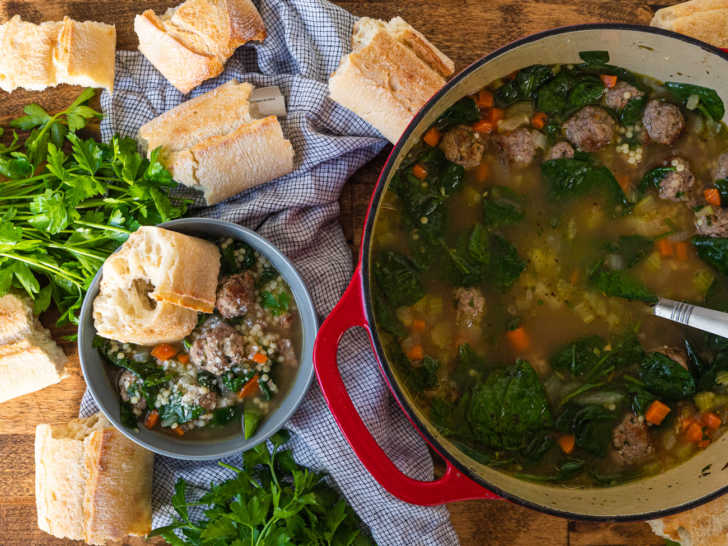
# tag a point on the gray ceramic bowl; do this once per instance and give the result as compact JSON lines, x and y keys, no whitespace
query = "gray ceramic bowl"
{"x":107,"y":398}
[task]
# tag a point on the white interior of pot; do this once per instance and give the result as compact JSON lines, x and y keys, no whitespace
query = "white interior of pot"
{"x":664,"y":58}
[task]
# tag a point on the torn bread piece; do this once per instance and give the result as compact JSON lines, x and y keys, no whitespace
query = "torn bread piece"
{"x":29,"y":358}
{"x":390,"y":74}
{"x":38,"y":56}
{"x":664,"y":17}
{"x":710,"y":26}
{"x":706,"y":525}
{"x":91,"y":482}
{"x":211,"y":143}
{"x":191,"y":43}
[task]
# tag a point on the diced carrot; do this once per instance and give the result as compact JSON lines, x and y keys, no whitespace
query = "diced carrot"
{"x":484,"y":99}
{"x":686,"y":422}
{"x":481,"y":172}
{"x":518,"y":339}
{"x":151,"y":419}
{"x":538,"y":120}
{"x":179,"y":430}
{"x":608,"y":80}
{"x":183,"y":358}
{"x":664,"y":247}
{"x":419,"y":325}
{"x":419,"y":171}
{"x":574,"y":278}
{"x":682,"y":250}
{"x":483,"y":126}
{"x":416,"y":352}
{"x":495,"y":115}
{"x":249,"y":387}
{"x":432,"y":137}
{"x":567,"y":442}
{"x":694,"y":433}
{"x":260,"y":358}
{"x":711,"y":420}
{"x":164,"y":351}
{"x":702,"y":444}
{"x":624,"y":182}
{"x":712,"y":196}
{"x":657,"y":412}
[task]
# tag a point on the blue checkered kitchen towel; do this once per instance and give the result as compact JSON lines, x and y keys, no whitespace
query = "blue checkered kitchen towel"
{"x":299,"y":213}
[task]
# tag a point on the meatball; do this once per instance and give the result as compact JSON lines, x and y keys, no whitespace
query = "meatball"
{"x":631,"y":441}
{"x":519,"y":146}
{"x":462,"y":145}
{"x":721,"y":170}
{"x":560,"y":150}
{"x":713,"y":225}
{"x":129,"y":384}
{"x":590,"y":129}
{"x":218,"y":347}
{"x":674,"y":353}
{"x":198,"y":397}
{"x":680,"y":184}
{"x":618,"y":96}
{"x":470,"y":305}
{"x":288,"y":354}
{"x":236,"y":295}
{"x":664,"y":121}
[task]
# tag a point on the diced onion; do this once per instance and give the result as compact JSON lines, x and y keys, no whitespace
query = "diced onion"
{"x":705,"y":211}
{"x":539,"y":139}
{"x":512,"y":123}
{"x":692,"y":102}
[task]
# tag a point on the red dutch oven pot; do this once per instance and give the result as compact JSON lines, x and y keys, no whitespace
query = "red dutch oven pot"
{"x":661,"y":54}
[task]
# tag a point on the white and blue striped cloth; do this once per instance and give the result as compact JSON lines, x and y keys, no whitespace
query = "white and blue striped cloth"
{"x":299,"y":213}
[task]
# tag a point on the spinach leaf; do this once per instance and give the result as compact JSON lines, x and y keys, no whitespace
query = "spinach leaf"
{"x":538,"y":446}
{"x":653,"y":178}
{"x":223,"y":416}
{"x":591,"y":425}
{"x":397,"y":278}
{"x":175,"y":411}
{"x":713,"y":251}
{"x":626,"y":351}
{"x":464,"y":111}
{"x":553,"y":96}
{"x":632,"y":111}
{"x":505,"y":264}
{"x":641,"y":399}
{"x":580,"y":356}
{"x":509,"y":407}
{"x":666,"y":378}
{"x":722,"y":187}
{"x":234,"y":382}
{"x":236,"y":257}
{"x":277,"y":304}
{"x":620,"y":284}
{"x":567,"y":177}
{"x":632,"y":248}
{"x":127,"y":417}
{"x":469,"y":367}
{"x":598,"y":57}
{"x":588,"y":90}
{"x":387,"y":317}
{"x":524,"y":86}
{"x":709,"y":103}
{"x":209,"y":380}
{"x":424,"y":376}
{"x":502,"y":206}
{"x":708,"y":380}
{"x":479,"y":245}
{"x":717,"y":295}
{"x":564,"y":471}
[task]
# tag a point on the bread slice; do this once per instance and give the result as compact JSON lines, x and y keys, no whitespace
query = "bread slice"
{"x":211,"y":143}
{"x":215,"y":113}
{"x":664,"y":17}
{"x":390,"y":74}
{"x":706,"y":525}
{"x":153,"y":286}
{"x":709,"y":26}
{"x":38,"y":56}
{"x":91,"y":482}
{"x":85,"y":54}
{"x":29,"y":359}
{"x":191,"y":43}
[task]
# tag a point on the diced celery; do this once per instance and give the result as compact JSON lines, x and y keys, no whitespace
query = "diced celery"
{"x":441,"y":334}
{"x":435,"y":306}
{"x":722,"y":378}
{"x":702,"y":281}
{"x":654,"y":262}
{"x":705,"y":401}
{"x":404,"y":314}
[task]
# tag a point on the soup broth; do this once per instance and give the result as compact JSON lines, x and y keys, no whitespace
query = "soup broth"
{"x":516,"y":254}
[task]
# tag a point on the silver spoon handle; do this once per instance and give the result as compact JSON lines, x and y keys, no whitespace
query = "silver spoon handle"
{"x":707,"y":320}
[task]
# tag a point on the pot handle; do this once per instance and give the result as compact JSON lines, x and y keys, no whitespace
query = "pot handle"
{"x":452,"y":486}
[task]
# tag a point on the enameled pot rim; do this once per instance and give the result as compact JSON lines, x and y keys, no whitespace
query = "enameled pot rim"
{"x":377,"y":194}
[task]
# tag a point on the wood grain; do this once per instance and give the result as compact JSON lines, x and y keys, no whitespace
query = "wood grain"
{"x":465,"y":30}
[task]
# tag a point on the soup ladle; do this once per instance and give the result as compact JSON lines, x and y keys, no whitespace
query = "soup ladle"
{"x":707,"y":320}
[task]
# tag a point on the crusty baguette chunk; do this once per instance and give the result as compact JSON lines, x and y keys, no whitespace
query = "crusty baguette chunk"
{"x":91,"y":482}
{"x":390,"y":74}
{"x":38,"y":56}
{"x":664,"y":17}
{"x":191,"y":43}
{"x":211,"y":143}
{"x":29,"y":359}
{"x":709,"y":26}
{"x":706,"y":525}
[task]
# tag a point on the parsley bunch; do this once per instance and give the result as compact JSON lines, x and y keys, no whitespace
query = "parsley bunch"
{"x":67,"y":203}
{"x":271,"y":501}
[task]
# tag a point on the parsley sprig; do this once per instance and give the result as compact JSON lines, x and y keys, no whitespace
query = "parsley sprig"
{"x":271,"y":501}
{"x":66,"y":203}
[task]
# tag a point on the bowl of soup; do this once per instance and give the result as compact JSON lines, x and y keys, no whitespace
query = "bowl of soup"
{"x":235,"y":379}
{"x":521,"y":231}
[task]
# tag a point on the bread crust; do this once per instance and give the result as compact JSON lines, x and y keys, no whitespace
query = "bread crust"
{"x":223,"y":166}
{"x":391,"y":73}
{"x":706,"y":525}
{"x":664,"y":17}
{"x":709,"y":26}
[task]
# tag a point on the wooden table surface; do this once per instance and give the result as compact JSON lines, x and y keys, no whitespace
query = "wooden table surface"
{"x":465,"y":30}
